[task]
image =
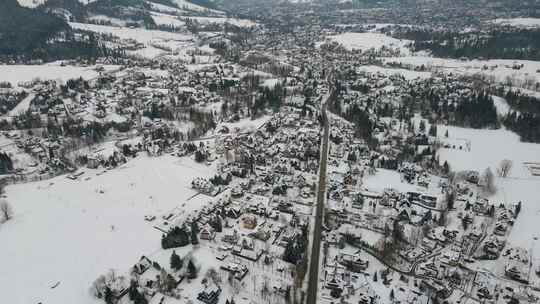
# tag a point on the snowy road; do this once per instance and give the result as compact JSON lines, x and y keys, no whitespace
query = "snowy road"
{"x":321,"y":196}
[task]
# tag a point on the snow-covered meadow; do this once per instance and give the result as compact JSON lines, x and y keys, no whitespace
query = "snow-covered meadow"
{"x":407,"y":74}
{"x":487,"y":149}
{"x":149,"y":38}
{"x":519,"y":22}
{"x":67,"y":232}
{"x":499,"y":70}
{"x":366,"y":41}
{"x":219,"y":20}
{"x":16,"y":74}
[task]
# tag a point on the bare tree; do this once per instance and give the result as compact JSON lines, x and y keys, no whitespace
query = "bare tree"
{"x":98,"y":286}
{"x":5,"y":210}
{"x":214,"y":275}
{"x":505,"y":167}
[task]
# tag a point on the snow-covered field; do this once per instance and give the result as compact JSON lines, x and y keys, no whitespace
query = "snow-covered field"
{"x":218,"y":20}
{"x":519,"y":22}
{"x":164,"y":19}
{"x":104,"y":18}
{"x":140,"y":35}
{"x":174,"y":41}
{"x":244,"y":125}
{"x":22,"y":107}
{"x":31,"y":3}
{"x":387,"y":179}
{"x":183,"y":4}
{"x":500,"y":70}
{"x":72,"y":231}
{"x":272,"y":82}
{"x":22,"y":73}
{"x":366,"y":41}
{"x":488,"y":148}
{"x":503,"y":108}
{"x":35,"y":3}
{"x":407,"y":74}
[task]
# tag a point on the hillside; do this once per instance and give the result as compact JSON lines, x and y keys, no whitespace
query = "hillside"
{"x":17,"y":35}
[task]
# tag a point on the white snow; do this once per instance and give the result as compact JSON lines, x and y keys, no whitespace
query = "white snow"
{"x":270,"y":83}
{"x":488,"y":148}
{"x":500,"y":70}
{"x":182,"y":4}
{"x":164,"y":19}
{"x":22,"y":107}
{"x":218,"y":20}
{"x":244,"y":125}
{"x":519,"y":22}
{"x":104,"y":18}
{"x":31,"y":3}
{"x":67,"y":231}
{"x":53,"y":71}
{"x":35,"y":3}
{"x":366,"y":41}
{"x":501,"y":105}
{"x":173,"y":41}
{"x":407,"y":74}
{"x":164,"y":8}
{"x":140,"y":35}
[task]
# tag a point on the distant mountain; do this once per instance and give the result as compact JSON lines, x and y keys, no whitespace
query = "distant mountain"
{"x":23,"y":29}
{"x":36,"y":3}
{"x":27,"y":34}
{"x":67,"y":4}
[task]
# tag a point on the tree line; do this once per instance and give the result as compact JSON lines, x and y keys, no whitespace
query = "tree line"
{"x":501,"y":43}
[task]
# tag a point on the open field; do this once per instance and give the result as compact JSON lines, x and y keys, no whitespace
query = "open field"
{"x":71,"y":231}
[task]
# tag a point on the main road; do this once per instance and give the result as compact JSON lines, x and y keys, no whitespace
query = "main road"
{"x":321,"y":197}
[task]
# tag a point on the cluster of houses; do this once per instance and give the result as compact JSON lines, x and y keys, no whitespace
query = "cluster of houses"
{"x":419,"y":225}
{"x":259,"y":204}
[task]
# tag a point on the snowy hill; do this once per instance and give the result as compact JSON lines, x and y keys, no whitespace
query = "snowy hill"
{"x":35,"y":3}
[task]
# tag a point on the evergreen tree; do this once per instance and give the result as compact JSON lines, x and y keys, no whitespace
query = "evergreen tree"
{"x":194,"y":233}
{"x":176,"y":237}
{"x":191,"y":270}
{"x":465,"y":222}
{"x":292,"y":252}
{"x":109,"y":296}
{"x":518,"y":208}
{"x":352,"y":157}
{"x":422,"y":127}
{"x":433,"y":130}
{"x":176,"y":261}
{"x":217,"y":224}
{"x":446,"y":168}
